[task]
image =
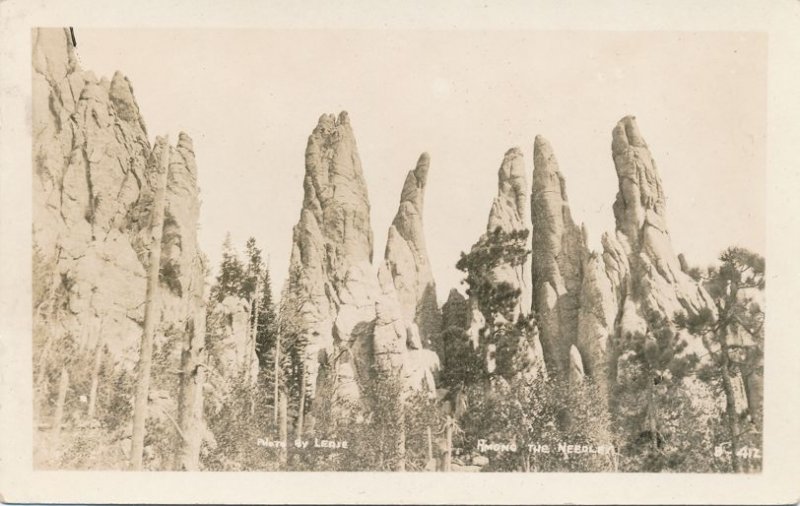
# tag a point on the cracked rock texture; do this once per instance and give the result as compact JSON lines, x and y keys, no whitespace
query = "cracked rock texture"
{"x":406,"y":258}
{"x":559,"y":252}
{"x":94,"y":170}
{"x":332,"y":287}
{"x":357,"y":323}
{"x":510,"y":213}
{"x":583,"y":300}
{"x":644,"y":267}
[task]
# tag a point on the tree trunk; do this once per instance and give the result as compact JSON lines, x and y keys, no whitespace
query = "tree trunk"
{"x":276,"y":392}
{"x":42,"y":362}
{"x":151,"y":311}
{"x":730,"y":403}
{"x":251,"y":350}
{"x":448,"y":456}
{"x":430,"y":444}
{"x":98,"y":361}
{"x":190,"y":402}
{"x":283,"y":432}
{"x":58,"y":417}
{"x":301,"y":409}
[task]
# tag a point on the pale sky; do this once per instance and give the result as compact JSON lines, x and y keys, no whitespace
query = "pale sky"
{"x":250,"y":98}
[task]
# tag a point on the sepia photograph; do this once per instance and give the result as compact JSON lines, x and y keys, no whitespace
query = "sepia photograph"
{"x":532,"y":343}
{"x":407,"y":250}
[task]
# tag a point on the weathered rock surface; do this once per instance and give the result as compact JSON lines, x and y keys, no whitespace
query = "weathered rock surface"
{"x":643,"y":267}
{"x":232,"y":349}
{"x":94,"y":170}
{"x":406,"y":257}
{"x":584,"y":300}
{"x":331,"y":282}
{"x":559,"y":252}
{"x":510,"y":213}
{"x":358,"y":324}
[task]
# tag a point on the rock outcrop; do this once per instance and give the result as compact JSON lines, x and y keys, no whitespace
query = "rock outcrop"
{"x":586,"y":299}
{"x":332,"y":287}
{"x":642,"y":264}
{"x":94,"y":171}
{"x":406,"y":258}
{"x":510,"y":213}
{"x":232,"y":352}
{"x":559,"y":252}
{"x":357,"y":324}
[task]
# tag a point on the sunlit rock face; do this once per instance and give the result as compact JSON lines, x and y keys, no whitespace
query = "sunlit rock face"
{"x":356,"y":323}
{"x":332,"y":287}
{"x":95,"y":174}
{"x":509,"y":213}
{"x":406,"y":258}
{"x":584,"y":300}
{"x":92,"y":198}
{"x":407,"y":271}
{"x":559,"y":253}
{"x":641,"y":265}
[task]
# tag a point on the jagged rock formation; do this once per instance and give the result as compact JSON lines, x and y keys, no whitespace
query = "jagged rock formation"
{"x":406,"y":277}
{"x":406,"y":258}
{"x":585,"y":299}
{"x":642,"y":264}
{"x":94,"y":170}
{"x":356,"y":324}
{"x":510,"y":213}
{"x":331,"y":283}
{"x":559,"y":252}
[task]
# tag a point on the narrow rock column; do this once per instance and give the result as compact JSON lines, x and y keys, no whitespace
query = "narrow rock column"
{"x":559,"y":251}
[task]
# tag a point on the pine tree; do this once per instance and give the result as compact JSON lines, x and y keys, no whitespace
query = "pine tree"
{"x":733,"y":335}
{"x":503,"y":340}
{"x":231,"y":277}
{"x":651,"y":401}
{"x":267,"y":322}
{"x":254,"y":272}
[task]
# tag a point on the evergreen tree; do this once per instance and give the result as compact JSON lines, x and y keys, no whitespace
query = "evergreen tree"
{"x":733,"y":335}
{"x":504,"y":339}
{"x":231,"y":277}
{"x":653,"y":414}
{"x":254,"y":273}
{"x":267,"y":322}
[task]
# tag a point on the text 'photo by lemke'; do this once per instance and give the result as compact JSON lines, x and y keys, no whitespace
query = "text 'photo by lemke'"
{"x":495,"y":329}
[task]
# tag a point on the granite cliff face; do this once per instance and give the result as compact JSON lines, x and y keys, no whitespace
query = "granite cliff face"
{"x":559,"y":252}
{"x":406,"y":258}
{"x":510,"y":213}
{"x":642,"y":265}
{"x":357,"y":323}
{"x":583,"y":299}
{"x":406,"y":277}
{"x":331,"y":281}
{"x":92,"y":198}
{"x":93,"y":189}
